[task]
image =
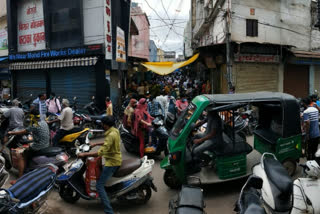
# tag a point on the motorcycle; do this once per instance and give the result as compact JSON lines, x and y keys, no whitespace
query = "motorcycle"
{"x":53,"y":155}
{"x":131,"y":182}
{"x":249,"y":201}
{"x":29,"y":193}
{"x":281,"y":194}
{"x":160,"y":136}
{"x":250,"y":120}
{"x":189,"y":200}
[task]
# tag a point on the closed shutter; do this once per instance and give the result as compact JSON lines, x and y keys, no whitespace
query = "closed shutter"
{"x":73,"y":82}
{"x":252,"y":77}
{"x":30,"y":82}
{"x":296,"y":80}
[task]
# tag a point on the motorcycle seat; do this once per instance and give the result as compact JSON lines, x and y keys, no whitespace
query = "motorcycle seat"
{"x":73,"y":135}
{"x":278,"y":175}
{"x":49,"y":151}
{"x":127,"y":167}
{"x":99,"y":117}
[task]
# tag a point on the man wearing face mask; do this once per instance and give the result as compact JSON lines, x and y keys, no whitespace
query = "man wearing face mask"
{"x":182,"y":104}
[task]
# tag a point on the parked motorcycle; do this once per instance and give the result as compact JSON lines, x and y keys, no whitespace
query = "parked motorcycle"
{"x":280,"y":194}
{"x":29,"y":193}
{"x":249,"y":201}
{"x":50,"y":155}
{"x":189,"y":200}
{"x":131,"y":182}
{"x":160,"y":136}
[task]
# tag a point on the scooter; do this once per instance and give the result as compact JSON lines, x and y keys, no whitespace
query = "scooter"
{"x":280,"y":194}
{"x":29,"y":193}
{"x":160,"y":137}
{"x":249,"y":201}
{"x":131,"y":182}
{"x":50,"y":155}
{"x":189,"y":200}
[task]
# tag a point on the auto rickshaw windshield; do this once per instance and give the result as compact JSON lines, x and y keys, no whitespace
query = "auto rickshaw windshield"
{"x":183,"y":120}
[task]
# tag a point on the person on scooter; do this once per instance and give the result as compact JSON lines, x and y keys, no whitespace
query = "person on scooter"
{"x":154,"y":108}
{"x":40,"y":131}
{"x":209,"y":140}
{"x":142,"y":123}
{"x":110,"y":151}
{"x":15,"y":116}
{"x":66,"y":121}
{"x":40,"y":105}
{"x":53,"y":104}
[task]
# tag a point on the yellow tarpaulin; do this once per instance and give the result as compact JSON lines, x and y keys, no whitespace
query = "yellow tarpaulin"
{"x":164,"y":68}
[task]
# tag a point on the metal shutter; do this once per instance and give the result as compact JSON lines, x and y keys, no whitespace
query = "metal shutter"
{"x":30,"y":82}
{"x":252,"y":77}
{"x":72,"y":82}
{"x":296,"y":80}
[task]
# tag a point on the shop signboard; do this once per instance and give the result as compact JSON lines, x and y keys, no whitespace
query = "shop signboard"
{"x":121,"y":46}
{"x":3,"y":39}
{"x":257,"y":58}
{"x":31,"y":34}
{"x":108,"y":29}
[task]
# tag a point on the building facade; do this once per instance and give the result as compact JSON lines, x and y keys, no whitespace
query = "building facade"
{"x":160,"y":55}
{"x":72,"y":48}
{"x":272,"y":45}
{"x":153,"y":51}
{"x":169,"y":56}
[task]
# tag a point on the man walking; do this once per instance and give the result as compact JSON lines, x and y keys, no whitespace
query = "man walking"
{"x":40,"y":105}
{"x":311,"y":127}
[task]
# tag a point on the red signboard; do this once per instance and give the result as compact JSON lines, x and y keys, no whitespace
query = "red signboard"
{"x":257,"y":58}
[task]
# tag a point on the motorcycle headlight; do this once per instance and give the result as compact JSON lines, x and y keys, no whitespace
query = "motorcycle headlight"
{"x":175,"y":157}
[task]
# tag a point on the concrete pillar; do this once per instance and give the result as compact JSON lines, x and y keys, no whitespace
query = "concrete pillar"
{"x":311,"y":79}
{"x":280,"y":77}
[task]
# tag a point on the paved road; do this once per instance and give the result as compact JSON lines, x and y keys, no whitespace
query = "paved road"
{"x":219,"y":198}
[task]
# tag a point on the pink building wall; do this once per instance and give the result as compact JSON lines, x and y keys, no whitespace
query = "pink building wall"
{"x":139,"y":44}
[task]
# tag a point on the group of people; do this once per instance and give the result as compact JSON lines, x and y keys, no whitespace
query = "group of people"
{"x":109,"y":148}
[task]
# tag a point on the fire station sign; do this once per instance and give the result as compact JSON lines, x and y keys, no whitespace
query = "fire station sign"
{"x":31,"y":34}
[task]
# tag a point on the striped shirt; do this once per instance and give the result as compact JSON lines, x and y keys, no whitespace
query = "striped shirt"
{"x":312,"y":114}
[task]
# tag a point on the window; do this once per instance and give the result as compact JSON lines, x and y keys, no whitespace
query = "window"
{"x":252,"y":27}
{"x":183,"y":120}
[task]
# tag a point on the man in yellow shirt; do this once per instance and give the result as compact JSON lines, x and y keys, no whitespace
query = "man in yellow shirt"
{"x":110,"y":151}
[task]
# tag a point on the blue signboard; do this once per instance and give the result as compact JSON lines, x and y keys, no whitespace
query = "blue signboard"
{"x":60,"y":53}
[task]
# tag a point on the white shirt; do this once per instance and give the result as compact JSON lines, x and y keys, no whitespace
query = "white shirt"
{"x":66,"y":118}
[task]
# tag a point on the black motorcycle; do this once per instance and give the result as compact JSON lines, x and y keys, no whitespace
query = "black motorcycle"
{"x":160,"y":136}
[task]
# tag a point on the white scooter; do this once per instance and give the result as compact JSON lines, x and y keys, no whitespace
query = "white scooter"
{"x":131,"y":182}
{"x":281,"y":195}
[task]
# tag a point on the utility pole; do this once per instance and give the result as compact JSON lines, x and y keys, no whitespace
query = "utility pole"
{"x":228,"y":47}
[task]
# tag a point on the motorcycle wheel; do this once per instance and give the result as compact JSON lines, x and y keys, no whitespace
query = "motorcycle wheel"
{"x":144,"y":194}
{"x":68,"y":194}
{"x":171,"y":180}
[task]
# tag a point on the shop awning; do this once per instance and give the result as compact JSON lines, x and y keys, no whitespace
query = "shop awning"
{"x":164,"y":68}
{"x":85,"y":61}
{"x":306,"y":54}
{"x":3,"y":58}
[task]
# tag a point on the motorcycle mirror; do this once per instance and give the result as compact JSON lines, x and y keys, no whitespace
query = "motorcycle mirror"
{"x":255,"y":182}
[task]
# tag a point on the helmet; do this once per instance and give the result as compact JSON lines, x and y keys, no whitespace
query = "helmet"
{"x":312,"y":169}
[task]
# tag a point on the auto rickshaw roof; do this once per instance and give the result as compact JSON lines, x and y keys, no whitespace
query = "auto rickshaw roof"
{"x":249,"y":97}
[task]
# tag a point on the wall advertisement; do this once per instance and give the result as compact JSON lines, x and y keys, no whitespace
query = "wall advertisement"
{"x":3,"y":39}
{"x":31,"y":34}
{"x":108,"y":29}
{"x":121,"y":46}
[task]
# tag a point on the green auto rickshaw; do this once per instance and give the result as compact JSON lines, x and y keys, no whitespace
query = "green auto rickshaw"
{"x":278,"y":132}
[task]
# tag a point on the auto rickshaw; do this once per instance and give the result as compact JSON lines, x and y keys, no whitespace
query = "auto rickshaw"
{"x":278,"y":132}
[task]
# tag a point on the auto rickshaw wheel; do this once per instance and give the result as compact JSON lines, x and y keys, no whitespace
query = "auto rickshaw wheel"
{"x":290,"y":165}
{"x":171,"y":180}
